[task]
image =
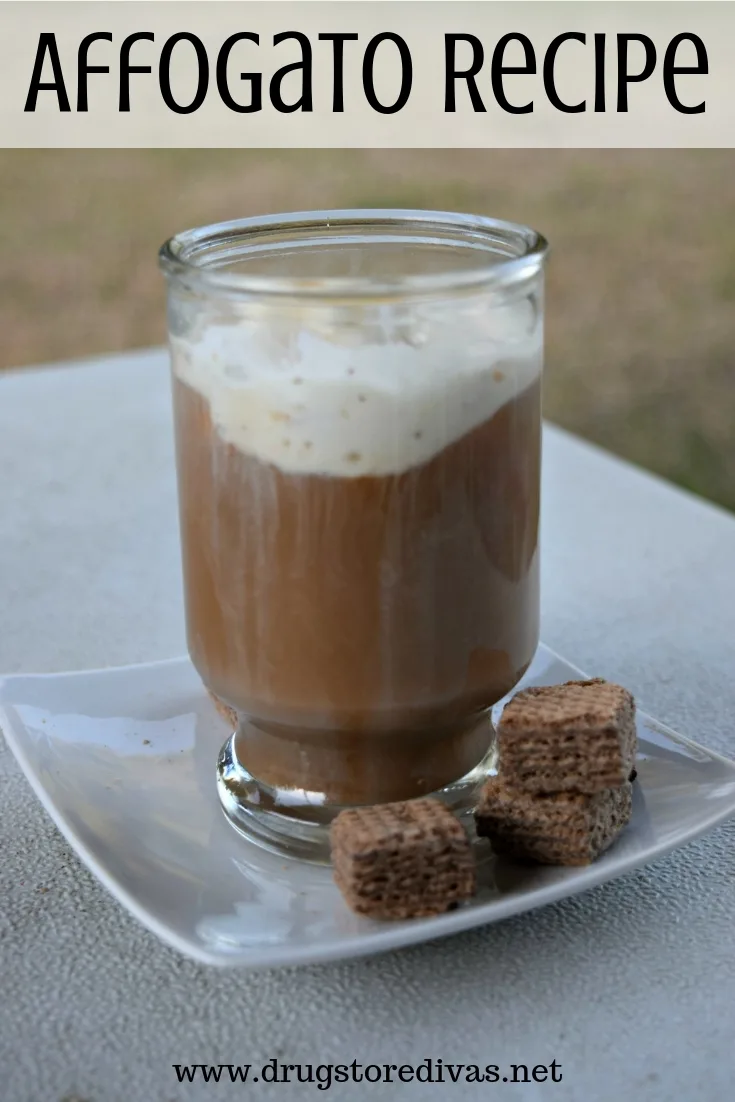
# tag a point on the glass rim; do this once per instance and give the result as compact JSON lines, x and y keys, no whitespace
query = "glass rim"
{"x":522,"y":251}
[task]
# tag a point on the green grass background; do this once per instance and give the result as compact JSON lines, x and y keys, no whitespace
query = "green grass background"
{"x":641,"y":280}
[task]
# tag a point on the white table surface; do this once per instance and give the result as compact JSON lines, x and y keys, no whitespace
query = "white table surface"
{"x":631,"y":987}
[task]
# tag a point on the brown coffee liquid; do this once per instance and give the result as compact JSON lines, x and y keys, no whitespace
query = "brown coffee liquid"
{"x":362,"y":625}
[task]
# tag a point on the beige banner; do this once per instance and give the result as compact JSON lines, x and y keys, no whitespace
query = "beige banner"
{"x":621,"y":65}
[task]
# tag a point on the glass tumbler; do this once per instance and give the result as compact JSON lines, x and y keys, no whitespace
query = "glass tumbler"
{"x":357,"y":400}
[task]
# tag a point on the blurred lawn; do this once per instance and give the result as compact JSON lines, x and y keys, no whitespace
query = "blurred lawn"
{"x":641,"y":295}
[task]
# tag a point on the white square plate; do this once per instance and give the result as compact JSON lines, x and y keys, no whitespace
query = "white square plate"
{"x":123,"y":760}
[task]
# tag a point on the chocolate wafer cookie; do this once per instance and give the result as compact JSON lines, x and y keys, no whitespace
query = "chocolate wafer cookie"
{"x":565,"y":828}
{"x":402,"y":860}
{"x":576,"y":737}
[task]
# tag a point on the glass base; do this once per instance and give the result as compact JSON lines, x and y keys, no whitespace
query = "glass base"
{"x":296,"y":823}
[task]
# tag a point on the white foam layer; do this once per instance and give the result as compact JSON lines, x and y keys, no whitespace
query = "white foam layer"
{"x":353,"y":395}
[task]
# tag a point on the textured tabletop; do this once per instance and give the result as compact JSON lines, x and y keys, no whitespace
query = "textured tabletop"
{"x":629,"y":987}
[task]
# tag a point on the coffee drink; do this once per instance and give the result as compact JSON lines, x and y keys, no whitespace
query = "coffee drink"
{"x":359,"y":499}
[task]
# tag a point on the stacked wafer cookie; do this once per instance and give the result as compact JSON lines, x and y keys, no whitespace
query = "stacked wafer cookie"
{"x":562,"y":794}
{"x":563,"y":790}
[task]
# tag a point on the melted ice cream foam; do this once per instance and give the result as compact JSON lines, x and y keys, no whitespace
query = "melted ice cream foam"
{"x":349,"y":394}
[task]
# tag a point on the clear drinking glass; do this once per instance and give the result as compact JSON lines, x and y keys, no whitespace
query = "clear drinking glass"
{"x":357,"y":402}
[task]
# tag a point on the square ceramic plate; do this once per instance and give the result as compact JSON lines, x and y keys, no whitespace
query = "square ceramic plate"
{"x":123,"y":761}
